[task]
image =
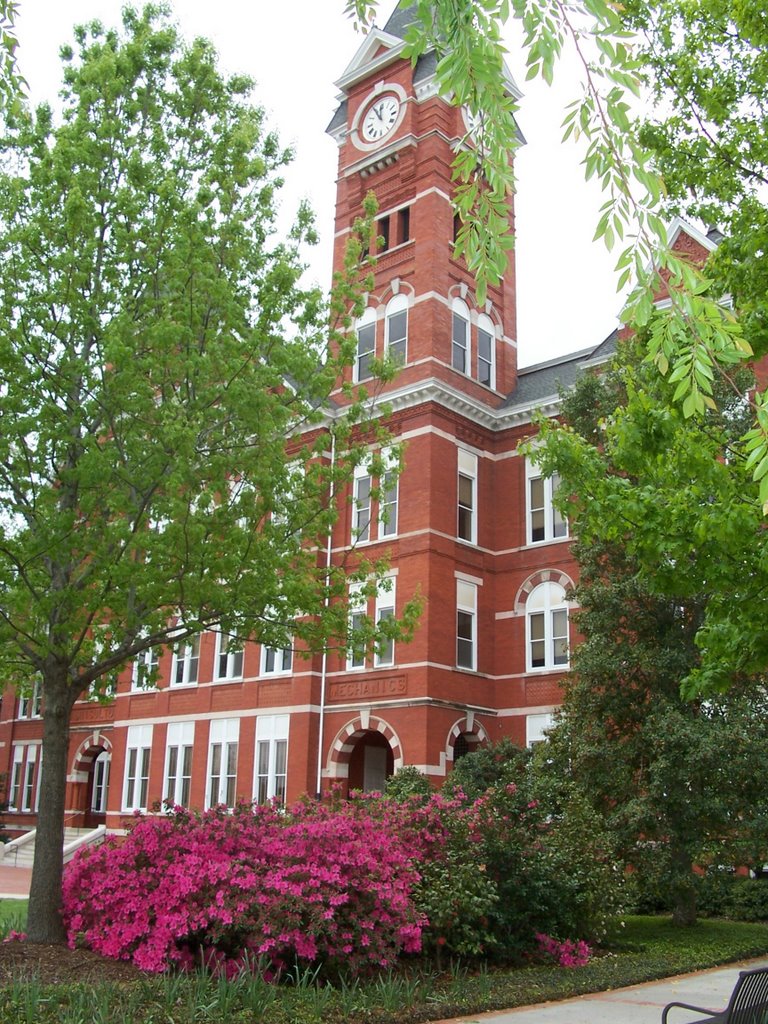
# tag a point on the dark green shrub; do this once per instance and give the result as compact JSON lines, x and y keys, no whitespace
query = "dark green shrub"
{"x":406,"y":783}
{"x":748,"y":900}
{"x":713,"y":892}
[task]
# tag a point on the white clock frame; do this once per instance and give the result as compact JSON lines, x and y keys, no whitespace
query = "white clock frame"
{"x":379,"y":91}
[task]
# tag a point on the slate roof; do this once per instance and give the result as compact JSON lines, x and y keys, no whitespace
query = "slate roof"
{"x":544,"y":381}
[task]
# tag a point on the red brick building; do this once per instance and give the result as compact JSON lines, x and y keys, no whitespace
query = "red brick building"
{"x":469,"y":524}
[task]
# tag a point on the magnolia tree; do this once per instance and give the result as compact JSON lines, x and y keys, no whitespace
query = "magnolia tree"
{"x":168,"y":454}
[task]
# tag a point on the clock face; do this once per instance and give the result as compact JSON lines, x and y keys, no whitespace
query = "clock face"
{"x":380,"y":117}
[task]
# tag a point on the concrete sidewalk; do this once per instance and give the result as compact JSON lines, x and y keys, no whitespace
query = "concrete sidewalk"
{"x":638,"y":1004}
{"x":14,"y":882}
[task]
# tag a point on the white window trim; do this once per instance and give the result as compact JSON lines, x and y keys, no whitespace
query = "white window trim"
{"x":536,"y":726}
{"x":101,"y":765}
{"x":385,"y":607}
{"x":466,"y":601}
{"x":547,"y":609}
{"x":190,"y":655}
{"x":272,"y":730}
{"x":550,"y":484}
{"x":231,"y":656}
{"x":467,"y":466}
{"x":358,"y":605}
{"x":280,"y":653}
{"x":180,"y":735}
{"x":484,"y":323}
{"x":139,"y":738}
{"x":31,"y":706}
{"x":145,"y":663}
{"x":388,"y":509}
{"x":459,"y":308}
{"x":362,"y":534}
{"x":226,"y":733}
{"x":367,"y":319}
{"x":396,"y":305}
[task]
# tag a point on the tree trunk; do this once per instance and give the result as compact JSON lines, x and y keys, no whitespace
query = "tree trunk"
{"x":683,"y":890}
{"x":44,"y":922}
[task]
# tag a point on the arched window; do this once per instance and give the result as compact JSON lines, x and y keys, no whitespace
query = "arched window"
{"x":546,"y":615}
{"x":486,"y":337}
{"x":461,"y":357}
{"x":396,"y":335}
{"x":366,"y":344}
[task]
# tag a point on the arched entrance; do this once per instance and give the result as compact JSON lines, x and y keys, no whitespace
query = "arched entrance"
{"x":371,"y":763}
{"x":365,"y":753}
{"x":91,"y":775}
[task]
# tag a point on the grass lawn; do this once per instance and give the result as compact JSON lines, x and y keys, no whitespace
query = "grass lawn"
{"x":640,"y":949}
{"x":13,"y":912}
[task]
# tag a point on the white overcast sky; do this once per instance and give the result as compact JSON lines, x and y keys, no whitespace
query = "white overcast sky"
{"x":295,"y":50}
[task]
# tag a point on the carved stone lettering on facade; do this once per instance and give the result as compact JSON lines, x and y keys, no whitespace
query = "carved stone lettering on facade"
{"x":93,"y":713}
{"x":369,"y":689}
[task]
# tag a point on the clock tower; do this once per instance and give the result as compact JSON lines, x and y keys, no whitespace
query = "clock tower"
{"x":397,"y":137}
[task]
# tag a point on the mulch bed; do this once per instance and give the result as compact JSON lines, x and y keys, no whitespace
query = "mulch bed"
{"x":57,"y":965}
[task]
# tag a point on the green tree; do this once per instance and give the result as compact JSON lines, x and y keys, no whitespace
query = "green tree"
{"x":675,"y":780}
{"x":10,"y":82}
{"x":164,"y":386}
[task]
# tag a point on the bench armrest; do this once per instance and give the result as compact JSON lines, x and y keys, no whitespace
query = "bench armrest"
{"x":686,"y":1006}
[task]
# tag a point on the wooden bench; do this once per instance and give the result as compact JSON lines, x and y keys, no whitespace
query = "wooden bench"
{"x":748,"y":1003}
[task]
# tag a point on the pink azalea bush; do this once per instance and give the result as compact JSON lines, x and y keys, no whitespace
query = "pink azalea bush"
{"x":322,"y":884}
{"x":571,"y":953}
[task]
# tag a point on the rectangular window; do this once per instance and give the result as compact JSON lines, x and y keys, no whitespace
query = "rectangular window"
{"x":538,"y":640}
{"x":388,"y":504}
{"x":467,"y":497}
{"x":31,"y":703}
{"x":466,"y":624}
{"x":357,"y":617}
{"x":397,"y":335}
{"x":14,"y":789}
{"x":388,"y":494}
{"x":404,"y":225}
{"x":560,"y":637}
{"x":186,"y":661}
{"x":536,"y":727}
{"x":28,"y":793}
{"x":385,"y":609}
{"x":484,"y":357}
{"x":229,"y":659}
{"x":382,"y":232}
{"x":366,"y":346}
{"x":222,"y":763}
{"x":545,"y":522}
{"x":275,"y":660}
{"x":547,"y":614}
{"x":178,"y":764}
{"x":460,"y":336}
{"x":361,"y":509}
{"x":271,"y":758}
{"x":138,"y":751}
{"x":145,"y":667}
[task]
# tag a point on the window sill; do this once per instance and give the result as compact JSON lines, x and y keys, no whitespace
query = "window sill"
{"x":543,"y":543}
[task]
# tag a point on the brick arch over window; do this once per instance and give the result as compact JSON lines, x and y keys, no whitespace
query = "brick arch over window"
{"x":398,"y":287}
{"x":543,"y":576}
{"x":464,"y":727}
{"x":83,"y":758}
{"x":346,"y":738}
